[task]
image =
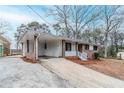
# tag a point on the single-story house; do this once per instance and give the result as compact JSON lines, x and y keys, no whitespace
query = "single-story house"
{"x":38,"y":44}
{"x":4,"y":46}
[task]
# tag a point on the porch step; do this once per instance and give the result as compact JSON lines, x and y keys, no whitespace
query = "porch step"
{"x":82,"y":56}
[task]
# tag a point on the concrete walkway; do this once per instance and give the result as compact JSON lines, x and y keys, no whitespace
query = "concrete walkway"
{"x":80,"y":76}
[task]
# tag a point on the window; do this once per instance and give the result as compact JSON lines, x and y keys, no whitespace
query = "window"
{"x":87,"y":47}
{"x":94,"y":47}
{"x":80,"y":47}
{"x":35,"y":29}
{"x":27,"y":46}
{"x":68,"y":46}
{"x":45,"y":45}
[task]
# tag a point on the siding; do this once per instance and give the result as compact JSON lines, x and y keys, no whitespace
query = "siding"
{"x":54,"y":49}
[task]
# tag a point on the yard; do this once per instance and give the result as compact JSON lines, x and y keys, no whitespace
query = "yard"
{"x":111,"y":67}
{"x":79,"y":75}
{"x":58,"y":72}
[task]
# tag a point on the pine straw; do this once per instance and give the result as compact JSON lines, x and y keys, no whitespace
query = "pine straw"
{"x":114,"y":68}
{"x":78,"y":61}
{"x":29,"y":60}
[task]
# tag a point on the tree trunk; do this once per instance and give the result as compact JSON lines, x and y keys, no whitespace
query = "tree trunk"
{"x":116,"y":45}
{"x":105,"y":45}
{"x":112,"y":48}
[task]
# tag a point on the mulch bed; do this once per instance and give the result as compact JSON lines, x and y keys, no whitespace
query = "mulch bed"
{"x":29,"y":60}
{"x":106,"y":66}
{"x":78,"y":61}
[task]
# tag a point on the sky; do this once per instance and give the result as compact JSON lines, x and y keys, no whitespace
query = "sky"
{"x":17,"y":15}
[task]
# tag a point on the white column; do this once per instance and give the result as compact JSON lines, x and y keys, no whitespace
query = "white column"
{"x":76,"y":48}
{"x":23,"y":49}
{"x":36,"y":47}
{"x":63,"y":48}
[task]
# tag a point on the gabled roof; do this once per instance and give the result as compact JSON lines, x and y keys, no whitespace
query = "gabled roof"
{"x":51,"y":36}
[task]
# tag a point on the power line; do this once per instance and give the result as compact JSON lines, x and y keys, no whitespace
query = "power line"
{"x":38,"y":14}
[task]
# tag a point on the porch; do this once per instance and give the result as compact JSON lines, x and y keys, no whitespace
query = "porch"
{"x":81,"y":50}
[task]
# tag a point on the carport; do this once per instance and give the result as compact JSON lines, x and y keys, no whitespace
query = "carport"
{"x":36,"y":45}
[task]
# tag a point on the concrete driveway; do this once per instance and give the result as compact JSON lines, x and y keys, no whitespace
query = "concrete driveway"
{"x":14,"y":72}
{"x":78,"y":75}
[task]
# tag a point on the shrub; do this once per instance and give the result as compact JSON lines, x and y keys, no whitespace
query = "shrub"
{"x":96,"y":55}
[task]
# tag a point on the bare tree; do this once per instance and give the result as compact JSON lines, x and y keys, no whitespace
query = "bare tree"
{"x":110,"y":18}
{"x":121,"y":38}
{"x":81,"y":16}
{"x":114,"y":42}
{"x":20,"y":31}
{"x":4,"y":26}
{"x":97,"y":36}
{"x":62,"y":14}
{"x":57,"y":28}
{"x":74,"y":18}
{"x":35,"y":26}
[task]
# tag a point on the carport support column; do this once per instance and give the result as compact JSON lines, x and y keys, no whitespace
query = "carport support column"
{"x":63,"y":48}
{"x":23,"y":49}
{"x":76,"y":48}
{"x":36,"y":47}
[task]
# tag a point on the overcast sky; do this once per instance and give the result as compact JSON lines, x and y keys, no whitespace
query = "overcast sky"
{"x":17,"y":15}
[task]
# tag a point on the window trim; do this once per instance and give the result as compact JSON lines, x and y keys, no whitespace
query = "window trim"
{"x":27,"y":46}
{"x":68,"y":44}
{"x":95,"y":49}
{"x":45,"y":46}
{"x":87,"y":47}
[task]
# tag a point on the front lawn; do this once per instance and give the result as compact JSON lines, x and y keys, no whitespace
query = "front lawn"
{"x":111,"y":67}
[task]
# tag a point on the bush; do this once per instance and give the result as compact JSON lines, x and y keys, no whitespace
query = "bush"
{"x":96,"y":55}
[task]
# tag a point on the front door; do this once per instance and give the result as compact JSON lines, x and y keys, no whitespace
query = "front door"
{"x":80,"y":47}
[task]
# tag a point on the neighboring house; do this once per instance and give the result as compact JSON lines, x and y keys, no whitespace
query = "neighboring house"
{"x":120,"y":55}
{"x":35,"y":44}
{"x":4,"y":46}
